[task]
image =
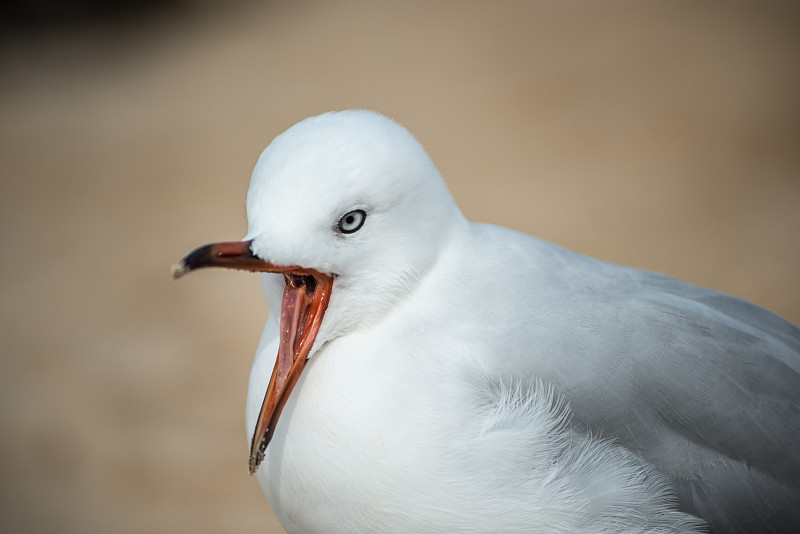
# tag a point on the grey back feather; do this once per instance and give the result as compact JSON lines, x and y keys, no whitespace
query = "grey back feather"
{"x":703,"y":385}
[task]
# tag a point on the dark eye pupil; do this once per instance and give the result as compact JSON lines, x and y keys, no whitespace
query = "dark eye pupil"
{"x":352,"y":221}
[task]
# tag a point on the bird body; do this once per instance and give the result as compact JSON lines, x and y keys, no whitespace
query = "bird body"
{"x":467,"y":377}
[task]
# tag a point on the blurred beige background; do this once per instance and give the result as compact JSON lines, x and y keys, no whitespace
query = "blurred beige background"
{"x":660,"y":134}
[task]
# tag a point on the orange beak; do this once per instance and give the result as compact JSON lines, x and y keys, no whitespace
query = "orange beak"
{"x":305,"y":299}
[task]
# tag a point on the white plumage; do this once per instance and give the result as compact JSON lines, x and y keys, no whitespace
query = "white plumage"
{"x":467,"y":377}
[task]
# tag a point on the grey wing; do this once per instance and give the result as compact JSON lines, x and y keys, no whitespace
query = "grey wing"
{"x":703,"y":385}
{"x":723,"y":383}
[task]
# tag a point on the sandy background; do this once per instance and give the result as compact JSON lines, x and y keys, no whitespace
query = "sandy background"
{"x":659,"y":134}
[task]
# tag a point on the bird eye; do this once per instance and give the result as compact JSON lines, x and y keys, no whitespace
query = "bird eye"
{"x":352,"y":221}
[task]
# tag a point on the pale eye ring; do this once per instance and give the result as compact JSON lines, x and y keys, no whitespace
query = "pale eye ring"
{"x":352,"y":221}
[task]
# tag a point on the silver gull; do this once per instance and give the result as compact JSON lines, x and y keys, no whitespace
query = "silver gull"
{"x":436,"y":375}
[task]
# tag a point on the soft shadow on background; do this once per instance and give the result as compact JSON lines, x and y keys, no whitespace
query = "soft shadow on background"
{"x":658,"y":134}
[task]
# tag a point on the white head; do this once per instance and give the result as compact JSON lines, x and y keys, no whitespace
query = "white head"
{"x":326,"y":167}
{"x":346,"y":214}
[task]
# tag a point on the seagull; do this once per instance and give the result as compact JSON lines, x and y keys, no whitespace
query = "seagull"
{"x":419,"y":372}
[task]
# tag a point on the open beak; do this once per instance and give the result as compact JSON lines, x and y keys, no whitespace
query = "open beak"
{"x":305,"y":299}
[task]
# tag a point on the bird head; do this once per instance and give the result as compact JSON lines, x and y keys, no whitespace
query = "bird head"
{"x":346,"y":213}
